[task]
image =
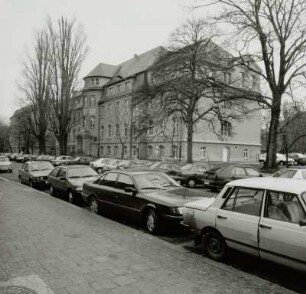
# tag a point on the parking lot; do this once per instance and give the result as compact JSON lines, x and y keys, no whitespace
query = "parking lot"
{"x":184,"y":241}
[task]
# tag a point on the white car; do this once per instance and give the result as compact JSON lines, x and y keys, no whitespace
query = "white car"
{"x":265,"y":217}
{"x":5,"y":164}
{"x":64,"y":159}
{"x":280,"y":159}
{"x":291,"y":173}
{"x":100,"y":164}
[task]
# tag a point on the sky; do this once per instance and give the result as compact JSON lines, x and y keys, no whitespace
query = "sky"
{"x":115,"y":29}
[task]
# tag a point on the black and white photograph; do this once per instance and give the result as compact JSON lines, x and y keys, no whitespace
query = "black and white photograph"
{"x":152,"y":146}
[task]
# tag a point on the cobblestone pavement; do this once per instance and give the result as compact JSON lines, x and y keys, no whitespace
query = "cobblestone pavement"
{"x":50,"y":246}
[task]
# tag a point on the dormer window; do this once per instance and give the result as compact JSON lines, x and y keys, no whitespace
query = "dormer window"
{"x":97,"y":81}
{"x":92,"y":81}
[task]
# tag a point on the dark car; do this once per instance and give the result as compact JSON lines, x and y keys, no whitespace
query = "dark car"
{"x":218,"y":176}
{"x":146,"y":196}
{"x":191,"y":174}
{"x":35,"y":173}
{"x":166,"y":167}
{"x":298,"y":157}
{"x":68,"y":181}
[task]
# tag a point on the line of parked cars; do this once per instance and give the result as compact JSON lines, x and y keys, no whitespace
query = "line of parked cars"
{"x":261,"y":215}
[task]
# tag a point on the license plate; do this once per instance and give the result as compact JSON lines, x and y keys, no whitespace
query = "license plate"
{"x":206,"y":183}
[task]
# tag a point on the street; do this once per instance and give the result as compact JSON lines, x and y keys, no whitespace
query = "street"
{"x":51,"y":246}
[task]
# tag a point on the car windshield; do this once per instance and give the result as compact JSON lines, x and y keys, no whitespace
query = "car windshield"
{"x":152,"y":181}
{"x":81,"y":172}
{"x":2,"y":159}
{"x":41,"y":166}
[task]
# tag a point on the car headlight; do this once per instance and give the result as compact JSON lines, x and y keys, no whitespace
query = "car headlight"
{"x":79,"y":189}
{"x":176,"y":210}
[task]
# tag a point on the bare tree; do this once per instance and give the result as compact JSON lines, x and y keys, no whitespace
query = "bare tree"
{"x":191,"y":80}
{"x":36,"y":88}
{"x":277,"y":29}
{"x":4,"y":136}
{"x":68,"y":51}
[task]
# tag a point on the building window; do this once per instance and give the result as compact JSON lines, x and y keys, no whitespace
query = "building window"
{"x":125,"y":129}
{"x":92,"y":101}
{"x":117,"y":130}
{"x":92,"y":121}
{"x":163,"y":126}
{"x":101,"y":150}
{"x":92,"y":81}
{"x":116,"y":151}
{"x":150,"y":151}
{"x":97,"y":81}
{"x":84,"y":122}
{"x":151,"y":128}
{"x":174,"y":151}
{"x":102,"y":131}
{"x":226,"y":128}
{"x":95,"y":139}
{"x":108,"y":150}
{"x":161,"y":151}
{"x":245,"y":153}
{"x":203,"y":152}
{"x":124,"y":150}
{"x":134,"y":151}
{"x":109,"y":130}
{"x":175,"y":126}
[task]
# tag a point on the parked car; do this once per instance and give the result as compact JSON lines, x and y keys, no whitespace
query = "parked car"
{"x":134,"y":164}
{"x":166,"y":167}
{"x":84,"y":160}
{"x":68,"y":180}
{"x":61,"y":160}
{"x":280,"y":159}
{"x":291,"y":173}
{"x":5,"y":164}
{"x":146,"y":196}
{"x":35,"y":173}
{"x":265,"y":217}
{"x":299,"y":158}
{"x":191,"y":174}
{"x":100,"y":164}
{"x":217,"y":177}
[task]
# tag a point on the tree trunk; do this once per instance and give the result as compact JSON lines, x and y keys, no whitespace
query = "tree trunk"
{"x":273,"y":132}
{"x":42,"y":145}
{"x":189,"y":141}
{"x":62,"y":144}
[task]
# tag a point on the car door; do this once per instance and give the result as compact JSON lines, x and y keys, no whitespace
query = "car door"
{"x":238,"y":218}
{"x":130,"y":202}
{"x":106,"y":191}
{"x":60,"y":181}
{"x":281,"y":238}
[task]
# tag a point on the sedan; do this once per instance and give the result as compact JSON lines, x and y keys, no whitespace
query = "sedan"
{"x":264,"y":217}
{"x":218,"y":176}
{"x":5,"y":164}
{"x":152,"y":198}
{"x":61,"y":160}
{"x":68,"y":181}
{"x":35,"y":173}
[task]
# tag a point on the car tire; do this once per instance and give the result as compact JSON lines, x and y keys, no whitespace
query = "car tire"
{"x":151,"y":221}
{"x":51,"y":191}
{"x":71,"y":198}
{"x":94,"y":205}
{"x":191,"y":183}
{"x":214,"y":245}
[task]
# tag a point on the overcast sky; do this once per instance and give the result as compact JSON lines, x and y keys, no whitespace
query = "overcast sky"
{"x":116,"y":29}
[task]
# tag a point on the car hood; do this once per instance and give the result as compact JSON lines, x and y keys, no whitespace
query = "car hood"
{"x":5,"y":163}
{"x":80,"y":181}
{"x":41,"y":173}
{"x":173,"y":197}
{"x":202,"y":204}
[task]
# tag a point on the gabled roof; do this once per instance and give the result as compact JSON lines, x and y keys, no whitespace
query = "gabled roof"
{"x":103,"y":70}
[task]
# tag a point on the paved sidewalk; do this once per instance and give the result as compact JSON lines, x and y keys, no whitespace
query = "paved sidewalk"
{"x":50,"y":246}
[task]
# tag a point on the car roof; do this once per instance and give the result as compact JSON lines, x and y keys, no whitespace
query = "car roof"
{"x":270,"y":183}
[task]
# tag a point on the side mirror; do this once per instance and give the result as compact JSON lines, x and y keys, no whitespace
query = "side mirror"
{"x":130,"y":190}
{"x":302,"y":222}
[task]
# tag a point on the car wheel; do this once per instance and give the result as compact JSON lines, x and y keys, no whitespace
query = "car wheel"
{"x":71,"y":198}
{"x":94,"y":205}
{"x":214,"y":245}
{"x":151,"y":221}
{"x":191,"y":183}
{"x":51,"y":191}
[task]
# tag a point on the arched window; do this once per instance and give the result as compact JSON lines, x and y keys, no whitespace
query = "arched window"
{"x":174,"y":151}
{"x":161,"y":151}
{"x":109,"y":130}
{"x":226,"y":128}
{"x":101,"y":150}
{"x":151,"y":127}
{"x":116,"y":151}
{"x":150,"y":151}
{"x":108,"y":150}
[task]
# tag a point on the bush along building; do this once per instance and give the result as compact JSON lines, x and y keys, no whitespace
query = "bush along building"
{"x":130,"y":110}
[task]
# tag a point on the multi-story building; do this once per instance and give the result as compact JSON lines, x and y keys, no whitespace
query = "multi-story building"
{"x":104,"y":115}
